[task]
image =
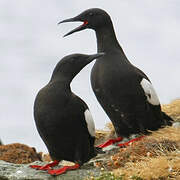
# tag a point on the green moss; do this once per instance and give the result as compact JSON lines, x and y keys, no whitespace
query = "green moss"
{"x":136,"y":178}
{"x":108,"y":176}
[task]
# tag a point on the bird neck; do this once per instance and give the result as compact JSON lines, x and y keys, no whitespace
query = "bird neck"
{"x":61,"y":86}
{"x":106,"y":39}
{"x":61,"y":80}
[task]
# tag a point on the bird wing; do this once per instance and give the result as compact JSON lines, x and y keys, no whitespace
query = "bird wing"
{"x":90,"y":122}
{"x":148,"y":88}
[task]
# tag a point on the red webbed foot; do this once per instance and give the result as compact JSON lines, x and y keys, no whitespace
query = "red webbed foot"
{"x":63,"y":169}
{"x":131,"y":141}
{"x":109,"y":142}
{"x":46,"y":167}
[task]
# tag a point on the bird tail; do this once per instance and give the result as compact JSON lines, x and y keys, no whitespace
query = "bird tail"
{"x":167,"y":119}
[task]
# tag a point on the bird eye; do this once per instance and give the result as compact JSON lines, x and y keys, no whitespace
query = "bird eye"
{"x":90,"y":14}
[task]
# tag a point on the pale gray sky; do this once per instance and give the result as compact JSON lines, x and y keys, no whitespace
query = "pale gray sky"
{"x":32,"y":43}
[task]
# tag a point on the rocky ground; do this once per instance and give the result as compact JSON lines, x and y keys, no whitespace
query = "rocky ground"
{"x":157,"y":156}
{"x":23,"y":172}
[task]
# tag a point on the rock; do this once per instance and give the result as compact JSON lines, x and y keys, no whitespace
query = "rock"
{"x":10,"y":171}
{"x":176,"y":124}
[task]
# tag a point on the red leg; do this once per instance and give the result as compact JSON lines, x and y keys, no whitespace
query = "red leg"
{"x":63,"y":169}
{"x":46,"y":167}
{"x":132,"y":140}
{"x":109,"y":142}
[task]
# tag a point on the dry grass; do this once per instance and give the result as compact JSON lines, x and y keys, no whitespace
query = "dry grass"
{"x":173,"y":109}
{"x":156,"y":157}
{"x":104,"y":135}
{"x":18,"y":153}
{"x":161,"y":167}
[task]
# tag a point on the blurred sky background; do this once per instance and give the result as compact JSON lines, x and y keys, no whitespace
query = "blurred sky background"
{"x":31,"y":44}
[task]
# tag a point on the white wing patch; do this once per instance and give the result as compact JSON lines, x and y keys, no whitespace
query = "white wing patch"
{"x":90,"y":122}
{"x":150,"y":92}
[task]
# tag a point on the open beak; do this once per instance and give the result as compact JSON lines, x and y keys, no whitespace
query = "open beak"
{"x":81,"y":27}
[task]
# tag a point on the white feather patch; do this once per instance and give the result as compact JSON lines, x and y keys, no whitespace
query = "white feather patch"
{"x":150,"y":92}
{"x":90,"y":122}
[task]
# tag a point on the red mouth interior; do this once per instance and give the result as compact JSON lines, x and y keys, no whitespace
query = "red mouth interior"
{"x":85,"y":23}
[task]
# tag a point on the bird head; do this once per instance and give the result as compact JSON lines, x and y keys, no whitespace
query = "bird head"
{"x":69,"y":66}
{"x":92,"y":19}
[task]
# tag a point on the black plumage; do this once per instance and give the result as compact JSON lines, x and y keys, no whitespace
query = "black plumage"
{"x":124,"y":91}
{"x":63,"y":120}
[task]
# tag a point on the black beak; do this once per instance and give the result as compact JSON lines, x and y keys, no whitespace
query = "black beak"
{"x":75,"y":19}
{"x":95,"y":56}
{"x":70,"y":20}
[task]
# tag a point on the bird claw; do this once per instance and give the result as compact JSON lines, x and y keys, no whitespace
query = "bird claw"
{"x":129,"y":142}
{"x":40,"y":167}
{"x":46,"y":167}
{"x":57,"y":171}
{"x":35,"y":166}
{"x":62,"y":170}
{"x":113,"y":141}
{"x":110,"y":142}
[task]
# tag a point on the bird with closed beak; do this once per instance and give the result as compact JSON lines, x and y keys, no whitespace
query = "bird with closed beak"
{"x":63,"y":120}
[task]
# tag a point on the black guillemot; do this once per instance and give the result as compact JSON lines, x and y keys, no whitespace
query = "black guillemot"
{"x":63,"y":120}
{"x":124,"y":91}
